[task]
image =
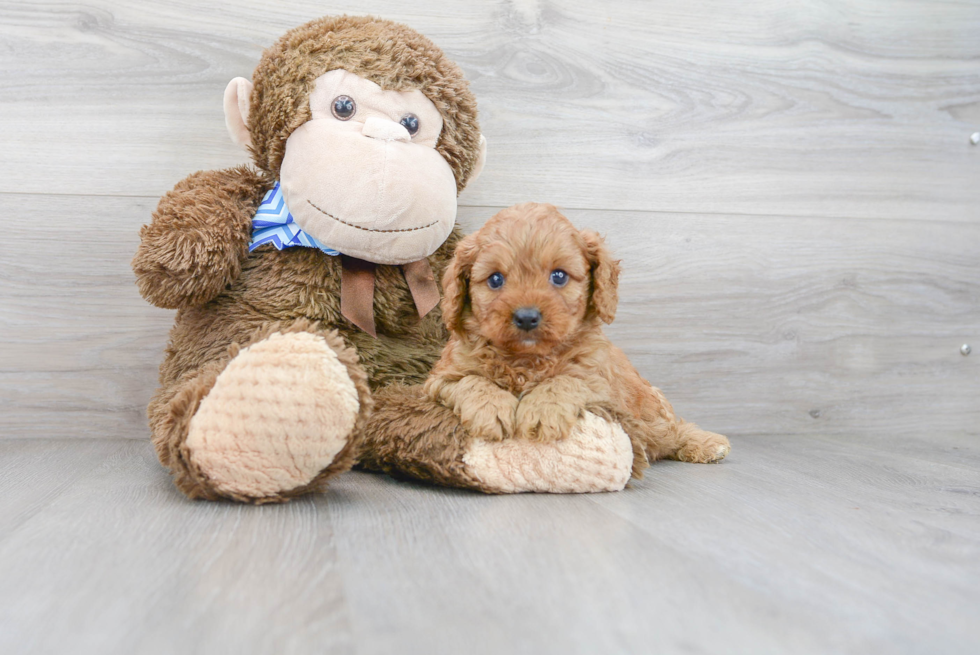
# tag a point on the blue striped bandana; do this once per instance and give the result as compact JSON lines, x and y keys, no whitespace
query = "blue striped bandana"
{"x":274,"y":224}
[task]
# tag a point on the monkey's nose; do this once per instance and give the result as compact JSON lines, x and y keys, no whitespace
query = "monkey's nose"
{"x":527,"y":318}
{"x":385,"y":130}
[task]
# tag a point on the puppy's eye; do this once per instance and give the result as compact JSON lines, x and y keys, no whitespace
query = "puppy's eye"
{"x":411,"y":123}
{"x":343,"y":107}
{"x":559,"y":278}
{"x":495,"y":281}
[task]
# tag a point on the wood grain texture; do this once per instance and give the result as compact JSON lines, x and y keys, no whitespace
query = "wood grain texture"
{"x":803,"y":108}
{"x":865,"y":540}
{"x":799,"y":545}
{"x":806,"y":326}
{"x":120,"y":562}
{"x":80,"y":347}
{"x":751,"y":325}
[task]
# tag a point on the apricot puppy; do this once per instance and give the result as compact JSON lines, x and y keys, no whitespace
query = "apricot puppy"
{"x":524,"y":301}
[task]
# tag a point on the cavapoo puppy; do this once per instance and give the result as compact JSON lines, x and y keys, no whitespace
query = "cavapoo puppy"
{"x":524,"y":301}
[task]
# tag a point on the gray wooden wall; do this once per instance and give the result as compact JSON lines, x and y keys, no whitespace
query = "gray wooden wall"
{"x":790,"y":185}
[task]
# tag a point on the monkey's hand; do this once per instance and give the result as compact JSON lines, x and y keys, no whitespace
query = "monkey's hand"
{"x":485,"y":410}
{"x":198,"y":238}
{"x":548,"y":411}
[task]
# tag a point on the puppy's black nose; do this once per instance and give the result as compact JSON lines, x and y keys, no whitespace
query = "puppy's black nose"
{"x":527,"y":318}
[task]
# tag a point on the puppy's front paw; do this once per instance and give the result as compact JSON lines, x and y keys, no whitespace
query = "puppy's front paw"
{"x":489,"y":417}
{"x":541,"y":418}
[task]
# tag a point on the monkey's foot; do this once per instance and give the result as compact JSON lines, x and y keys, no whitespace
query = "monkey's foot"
{"x":596,"y":456}
{"x":278,"y":415}
{"x":701,"y":446}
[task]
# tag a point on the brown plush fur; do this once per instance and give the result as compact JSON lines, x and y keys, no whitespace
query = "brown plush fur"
{"x":411,"y":436}
{"x":503,"y":381}
{"x":193,"y":257}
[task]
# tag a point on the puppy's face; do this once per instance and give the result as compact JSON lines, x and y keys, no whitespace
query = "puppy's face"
{"x":529,"y":280}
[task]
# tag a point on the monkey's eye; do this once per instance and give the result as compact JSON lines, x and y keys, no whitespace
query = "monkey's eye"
{"x":411,"y":123}
{"x":495,"y":281}
{"x":343,"y":107}
{"x":559,"y":278}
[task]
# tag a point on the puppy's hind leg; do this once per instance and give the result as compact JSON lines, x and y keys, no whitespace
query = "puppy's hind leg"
{"x":699,"y":446}
{"x":666,"y":436}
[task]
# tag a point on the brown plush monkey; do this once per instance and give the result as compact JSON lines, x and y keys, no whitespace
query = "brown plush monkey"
{"x":306,"y":286}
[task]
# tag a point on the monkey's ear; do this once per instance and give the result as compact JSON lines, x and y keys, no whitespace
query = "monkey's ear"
{"x":237,"y":95}
{"x":480,"y":161}
{"x":456,"y":284}
{"x":605,"y":277}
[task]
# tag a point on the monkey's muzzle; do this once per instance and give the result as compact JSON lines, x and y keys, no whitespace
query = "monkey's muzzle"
{"x":365,"y":190}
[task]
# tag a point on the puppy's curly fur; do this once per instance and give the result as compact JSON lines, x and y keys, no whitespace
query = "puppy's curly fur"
{"x":534,"y":381}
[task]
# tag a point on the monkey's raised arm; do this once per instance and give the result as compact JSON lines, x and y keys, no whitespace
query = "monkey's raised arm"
{"x":198,"y":238}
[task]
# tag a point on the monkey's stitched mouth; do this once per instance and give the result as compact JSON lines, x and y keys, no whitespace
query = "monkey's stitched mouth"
{"x":367,"y":229}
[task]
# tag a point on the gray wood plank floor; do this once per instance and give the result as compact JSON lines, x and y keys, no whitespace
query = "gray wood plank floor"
{"x":801,"y":545}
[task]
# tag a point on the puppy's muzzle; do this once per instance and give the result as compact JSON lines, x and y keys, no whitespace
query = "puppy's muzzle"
{"x":526,"y":318}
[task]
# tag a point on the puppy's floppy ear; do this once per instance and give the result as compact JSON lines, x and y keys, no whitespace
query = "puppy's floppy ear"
{"x":456,"y":283}
{"x":605,"y":277}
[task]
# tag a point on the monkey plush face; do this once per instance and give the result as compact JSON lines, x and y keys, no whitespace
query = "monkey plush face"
{"x":370,"y":131}
{"x":363,"y":175}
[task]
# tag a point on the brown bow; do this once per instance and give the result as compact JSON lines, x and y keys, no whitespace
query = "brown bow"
{"x":357,"y":290}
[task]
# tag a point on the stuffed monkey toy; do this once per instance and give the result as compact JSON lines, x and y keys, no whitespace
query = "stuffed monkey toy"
{"x":307,"y":287}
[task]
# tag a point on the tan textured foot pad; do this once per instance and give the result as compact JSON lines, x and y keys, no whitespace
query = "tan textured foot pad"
{"x":596,"y":456}
{"x":278,"y":415}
